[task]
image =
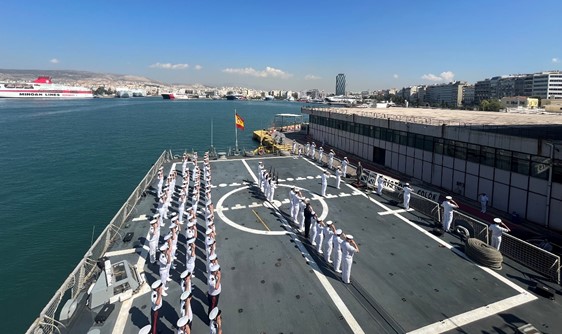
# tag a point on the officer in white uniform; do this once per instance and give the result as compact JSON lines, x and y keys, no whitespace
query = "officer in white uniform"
{"x":344,"y":164}
{"x":483,"y":202}
{"x":291,"y":201}
{"x":307,"y":149}
{"x":313,"y":228}
{"x":380,"y":184}
{"x":349,"y":248}
{"x":448,"y":206}
{"x":497,"y":228}
{"x":313,"y":148}
{"x":407,"y":193}
{"x":320,"y":154}
{"x":185,"y":305}
{"x":215,"y":321}
{"x":325,"y":176}
{"x":338,"y":177}
{"x":302,"y":206}
{"x":331,"y":159}
{"x":163,"y":262}
{"x":329,"y":232}
{"x":338,"y":241}
{"x":272,"y":187}
{"x":186,"y":281}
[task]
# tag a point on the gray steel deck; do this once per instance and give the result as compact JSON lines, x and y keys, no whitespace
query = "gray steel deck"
{"x":403,"y":280}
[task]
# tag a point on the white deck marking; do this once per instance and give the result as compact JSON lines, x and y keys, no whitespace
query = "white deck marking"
{"x":347,"y":315}
{"x":300,"y":178}
{"x":290,"y":179}
{"x":310,"y":177}
{"x":222,"y":185}
{"x":286,"y":201}
{"x":254,"y":205}
{"x":344,"y":194}
{"x":237,"y":207}
{"x":281,"y":180}
{"x":384,"y":213}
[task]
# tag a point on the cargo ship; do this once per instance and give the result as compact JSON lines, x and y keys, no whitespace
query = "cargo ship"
{"x":42,"y":87}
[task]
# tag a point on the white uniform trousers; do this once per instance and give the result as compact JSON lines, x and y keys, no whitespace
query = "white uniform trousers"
{"x":447,"y":220}
{"x":328,"y":246}
{"x":338,"y":181}
{"x":313,"y":233}
{"x":301,"y":219}
{"x":496,"y":242}
{"x":319,"y":239}
{"x":337,"y":259}
{"x":324,"y":186}
{"x":346,"y":270}
{"x":407,"y":201}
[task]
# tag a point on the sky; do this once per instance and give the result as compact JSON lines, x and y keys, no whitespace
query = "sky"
{"x":285,"y":45}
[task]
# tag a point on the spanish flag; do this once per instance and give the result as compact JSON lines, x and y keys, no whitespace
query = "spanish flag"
{"x":239,"y":121}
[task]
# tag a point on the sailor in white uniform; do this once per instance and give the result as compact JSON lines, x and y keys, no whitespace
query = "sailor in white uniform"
{"x":302,"y":206}
{"x":319,"y":235}
{"x":190,"y":256}
{"x":153,"y":241}
{"x":483,"y":202}
{"x":156,"y":299}
{"x":329,"y":232}
{"x":349,"y":248}
{"x":214,"y":283}
{"x":186,"y":281}
{"x":291,"y":201}
{"x":313,"y":150}
{"x":215,"y":321}
{"x":448,"y":207}
{"x":325,"y":176}
{"x":380,"y":184}
{"x":338,"y":177}
{"x":272,"y":187}
{"x":331,"y":159}
{"x":313,"y":228}
{"x":320,"y":154}
{"x":163,"y":262}
{"x":497,"y":228}
{"x":307,"y":149}
{"x":296,"y":205}
{"x":260,"y":169}
{"x":344,"y":164}
{"x":338,"y":241}
{"x":407,"y":193}
{"x":294,"y":147}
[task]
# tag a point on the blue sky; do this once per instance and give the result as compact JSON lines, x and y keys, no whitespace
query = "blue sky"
{"x":289,"y":44}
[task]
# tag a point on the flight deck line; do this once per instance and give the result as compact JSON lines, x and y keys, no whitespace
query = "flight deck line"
{"x":349,"y":318}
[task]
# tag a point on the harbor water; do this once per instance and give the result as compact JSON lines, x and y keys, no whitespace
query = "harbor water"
{"x":68,"y":166}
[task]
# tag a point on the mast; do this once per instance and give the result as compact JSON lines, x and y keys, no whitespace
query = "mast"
{"x":236,"y":130}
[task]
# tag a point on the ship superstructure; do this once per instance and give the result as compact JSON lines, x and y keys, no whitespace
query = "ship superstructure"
{"x":42,"y":87}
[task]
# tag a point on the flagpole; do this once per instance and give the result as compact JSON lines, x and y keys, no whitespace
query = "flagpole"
{"x":236,"y":130}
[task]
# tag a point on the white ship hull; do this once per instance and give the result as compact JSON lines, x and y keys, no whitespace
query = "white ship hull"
{"x":43,"y":88}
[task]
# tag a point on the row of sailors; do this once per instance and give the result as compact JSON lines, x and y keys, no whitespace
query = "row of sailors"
{"x":332,"y":243}
{"x":310,"y":151}
{"x":266,"y":182}
{"x":169,"y":248}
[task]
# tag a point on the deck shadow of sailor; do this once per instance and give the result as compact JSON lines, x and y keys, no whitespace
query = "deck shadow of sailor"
{"x":197,"y":307}
{"x":168,"y":312}
{"x":138,"y":317}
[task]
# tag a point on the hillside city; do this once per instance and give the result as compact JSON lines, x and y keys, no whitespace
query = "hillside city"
{"x":536,"y":90}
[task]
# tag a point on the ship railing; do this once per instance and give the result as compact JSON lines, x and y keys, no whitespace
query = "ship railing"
{"x":527,"y":254}
{"x":85,"y":272}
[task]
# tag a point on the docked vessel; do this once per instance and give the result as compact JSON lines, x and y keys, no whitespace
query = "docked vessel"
{"x":42,"y":87}
{"x":174,"y":96}
{"x":235,"y":97}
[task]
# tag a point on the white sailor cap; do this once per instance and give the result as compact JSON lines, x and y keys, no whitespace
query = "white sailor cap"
{"x":156,"y":216}
{"x":185,"y":295}
{"x":215,"y":267}
{"x":213,"y":257}
{"x":325,"y":171}
{"x":261,"y":163}
{"x":208,"y":203}
{"x":406,"y":184}
{"x":210,"y":222}
{"x":156,"y":284}
{"x":338,"y":231}
{"x":208,"y":231}
{"x":173,"y":225}
{"x":349,"y":236}
{"x":448,"y":197}
{"x":191,"y":241}
{"x":164,"y":247}
{"x":210,"y":241}
{"x":173,"y":214}
{"x":182,"y":321}
{"x":167,"y":236}
{"x":185,"y":274}
{"x":161,"y":168}
{"x":497,"y":220}
{"x":307,"y":200}
{"x":214,"y":313}
{"x":154,"y":221}
{"x":329,"y":222}
{"x":191,"y":224}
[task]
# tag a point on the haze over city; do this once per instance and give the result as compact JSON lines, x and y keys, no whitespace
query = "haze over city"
{"x":289,"y":45}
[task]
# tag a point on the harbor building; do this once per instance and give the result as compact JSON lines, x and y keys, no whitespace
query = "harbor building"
{"x":515,"y":158}
{"x":340,"y":84}
{"x":445,"y":95}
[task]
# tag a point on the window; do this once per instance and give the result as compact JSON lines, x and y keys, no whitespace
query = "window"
{"x":557,"y":172}
{"x":473,"y":153}
{"x":488,"y":156}
{"x":520,"y":163}
{"x":503,"y":159}
{"x":403,"y":138}
{"x":438,"y":147}
{"x":449,"y":148}
{"x":460,"y":151}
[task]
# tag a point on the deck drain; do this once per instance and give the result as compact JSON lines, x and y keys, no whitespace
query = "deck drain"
{"x":278,"y":301}
{"x":429,"y":264}
{"x":392,"y":254}
{"x":240,"y":310}
{"x":391,"y":274}
{"x":298,"y":296}
{"x":143,"y":307}
{"x":251,"y":248}
{"x":393,"y":237}
{"x":232,"y":268}
{"x":436,"y":290}
{"x":403,"y":299}
{"x":225,"y":238}
{"x":278,"y":259}
{"x":262,"y":281}
{"x":278,"y":264}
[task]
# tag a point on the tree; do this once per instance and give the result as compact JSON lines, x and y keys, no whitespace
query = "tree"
{"x":490,"y":105}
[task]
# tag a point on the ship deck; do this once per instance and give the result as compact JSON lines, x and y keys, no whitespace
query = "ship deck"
{"x":404,"y":279}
